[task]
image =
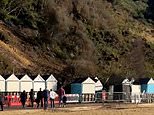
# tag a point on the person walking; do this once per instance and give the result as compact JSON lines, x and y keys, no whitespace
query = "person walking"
{"x":1,"y":101}
{"x":52,"y":98}
{"x":31,"y":94}
{"x":45,"y":97}
{"x":39,"y":98}
{"x":23,"y":97}
{"x":61,"y":93}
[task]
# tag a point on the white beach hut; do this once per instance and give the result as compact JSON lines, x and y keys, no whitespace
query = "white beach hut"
{"x":39,"y":82}
{"x":51,"y":83}
{"x":136,"y":91}
{"x":26,"y":83}
{"x":2,"y":84}
{"x":98,"y":84}
{"x":12,"y":84}
{"x":83,"y":86}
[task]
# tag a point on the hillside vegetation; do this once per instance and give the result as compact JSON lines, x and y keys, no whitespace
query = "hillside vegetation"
{"x":72,"y":38}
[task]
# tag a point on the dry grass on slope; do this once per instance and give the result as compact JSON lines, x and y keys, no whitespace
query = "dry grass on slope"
{"x":15,"y":53}
{"x":11,"y":50}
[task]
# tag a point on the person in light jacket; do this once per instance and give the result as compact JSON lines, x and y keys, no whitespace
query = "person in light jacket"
{"x":52,"y":98}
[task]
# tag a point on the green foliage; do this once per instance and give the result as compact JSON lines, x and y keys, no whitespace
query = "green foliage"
{"x":137,"y":8}
{"x":93,"y":36}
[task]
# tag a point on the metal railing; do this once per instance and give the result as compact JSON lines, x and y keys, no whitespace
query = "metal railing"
{"x":124,"y":97}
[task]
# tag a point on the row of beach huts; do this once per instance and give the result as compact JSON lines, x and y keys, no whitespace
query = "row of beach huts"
{"x":18,"y":83}
{"x":82,"y":86}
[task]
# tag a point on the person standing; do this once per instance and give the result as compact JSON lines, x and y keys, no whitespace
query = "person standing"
{"x":23,"y":97}
{"x":52,"y":98}
{"x":45,"y":97}
{"x":1,"y":101}
{"x":61,"y":93}
{"x":64,"y":100}
{"x":31,"y":94}
{"x":39,"y":98}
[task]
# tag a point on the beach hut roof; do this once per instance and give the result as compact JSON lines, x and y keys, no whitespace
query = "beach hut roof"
{"x":1,"y":78}
{"x":25,"y":78}
{"x":83,"y":80}
{"x":144,"y":80}
{"x":151,"y":81}
{"x":6,"y":76}
{"x":12,"y":77}
{"x":115,"y":80}
{"x":39,"y":78}
{"x":51,"y":78}
{"x":79,"y":80}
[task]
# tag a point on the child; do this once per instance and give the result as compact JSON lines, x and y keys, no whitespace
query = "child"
{"x":64,"y":100}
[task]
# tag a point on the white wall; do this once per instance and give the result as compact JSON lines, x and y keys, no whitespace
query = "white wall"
{"x":88,"y":88}
{"x":38,"y":85}
{"x":2,"y":85}
{"x":135,"y":94}
{"x":27,"y":86}
{"x":13,"y":86}
{"x":98,"y":86}
{"x":136,"y":88}
{"x":52,"y":85}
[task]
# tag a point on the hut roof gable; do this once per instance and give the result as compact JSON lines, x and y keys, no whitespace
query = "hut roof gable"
{"x":51,"y":78}
{"x":1,"y":78}
{"x":12,"y":77}
{"x":151,"y":81}
{"x":99,"y":83}
{"x":26,"y":78}
{"x":39,"y":78}
{"x":83,"y":80}
{"x":88,"y":80}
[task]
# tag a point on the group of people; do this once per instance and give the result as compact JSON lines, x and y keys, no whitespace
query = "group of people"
{"x":43,"y":97}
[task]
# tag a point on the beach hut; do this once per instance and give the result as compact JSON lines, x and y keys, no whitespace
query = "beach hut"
{"x":147,"y":85}
{"x":118,"y":87}
{"x":26,"y":83}
{"x":118,"y":84}
{"x":39,"y":82}
{"x":83,"y":86}
{"x":135,"y":92}
{"x":12,"y":84}
{"x":98,"y":84}
{"x":51,"y":83}
{"x":2,"y":84}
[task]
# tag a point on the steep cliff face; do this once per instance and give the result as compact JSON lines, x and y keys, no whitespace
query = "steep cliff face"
{"x":73,"y":37}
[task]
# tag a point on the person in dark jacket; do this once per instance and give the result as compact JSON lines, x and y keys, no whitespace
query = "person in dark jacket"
{"x":45,"y":97}
{"x":39,"y":98}
{"x":31,"y":94}
{"x":23,"y":98}
{"x":64,"y":100}
{"x":1,"y":101}
{"x":61,"y":93}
